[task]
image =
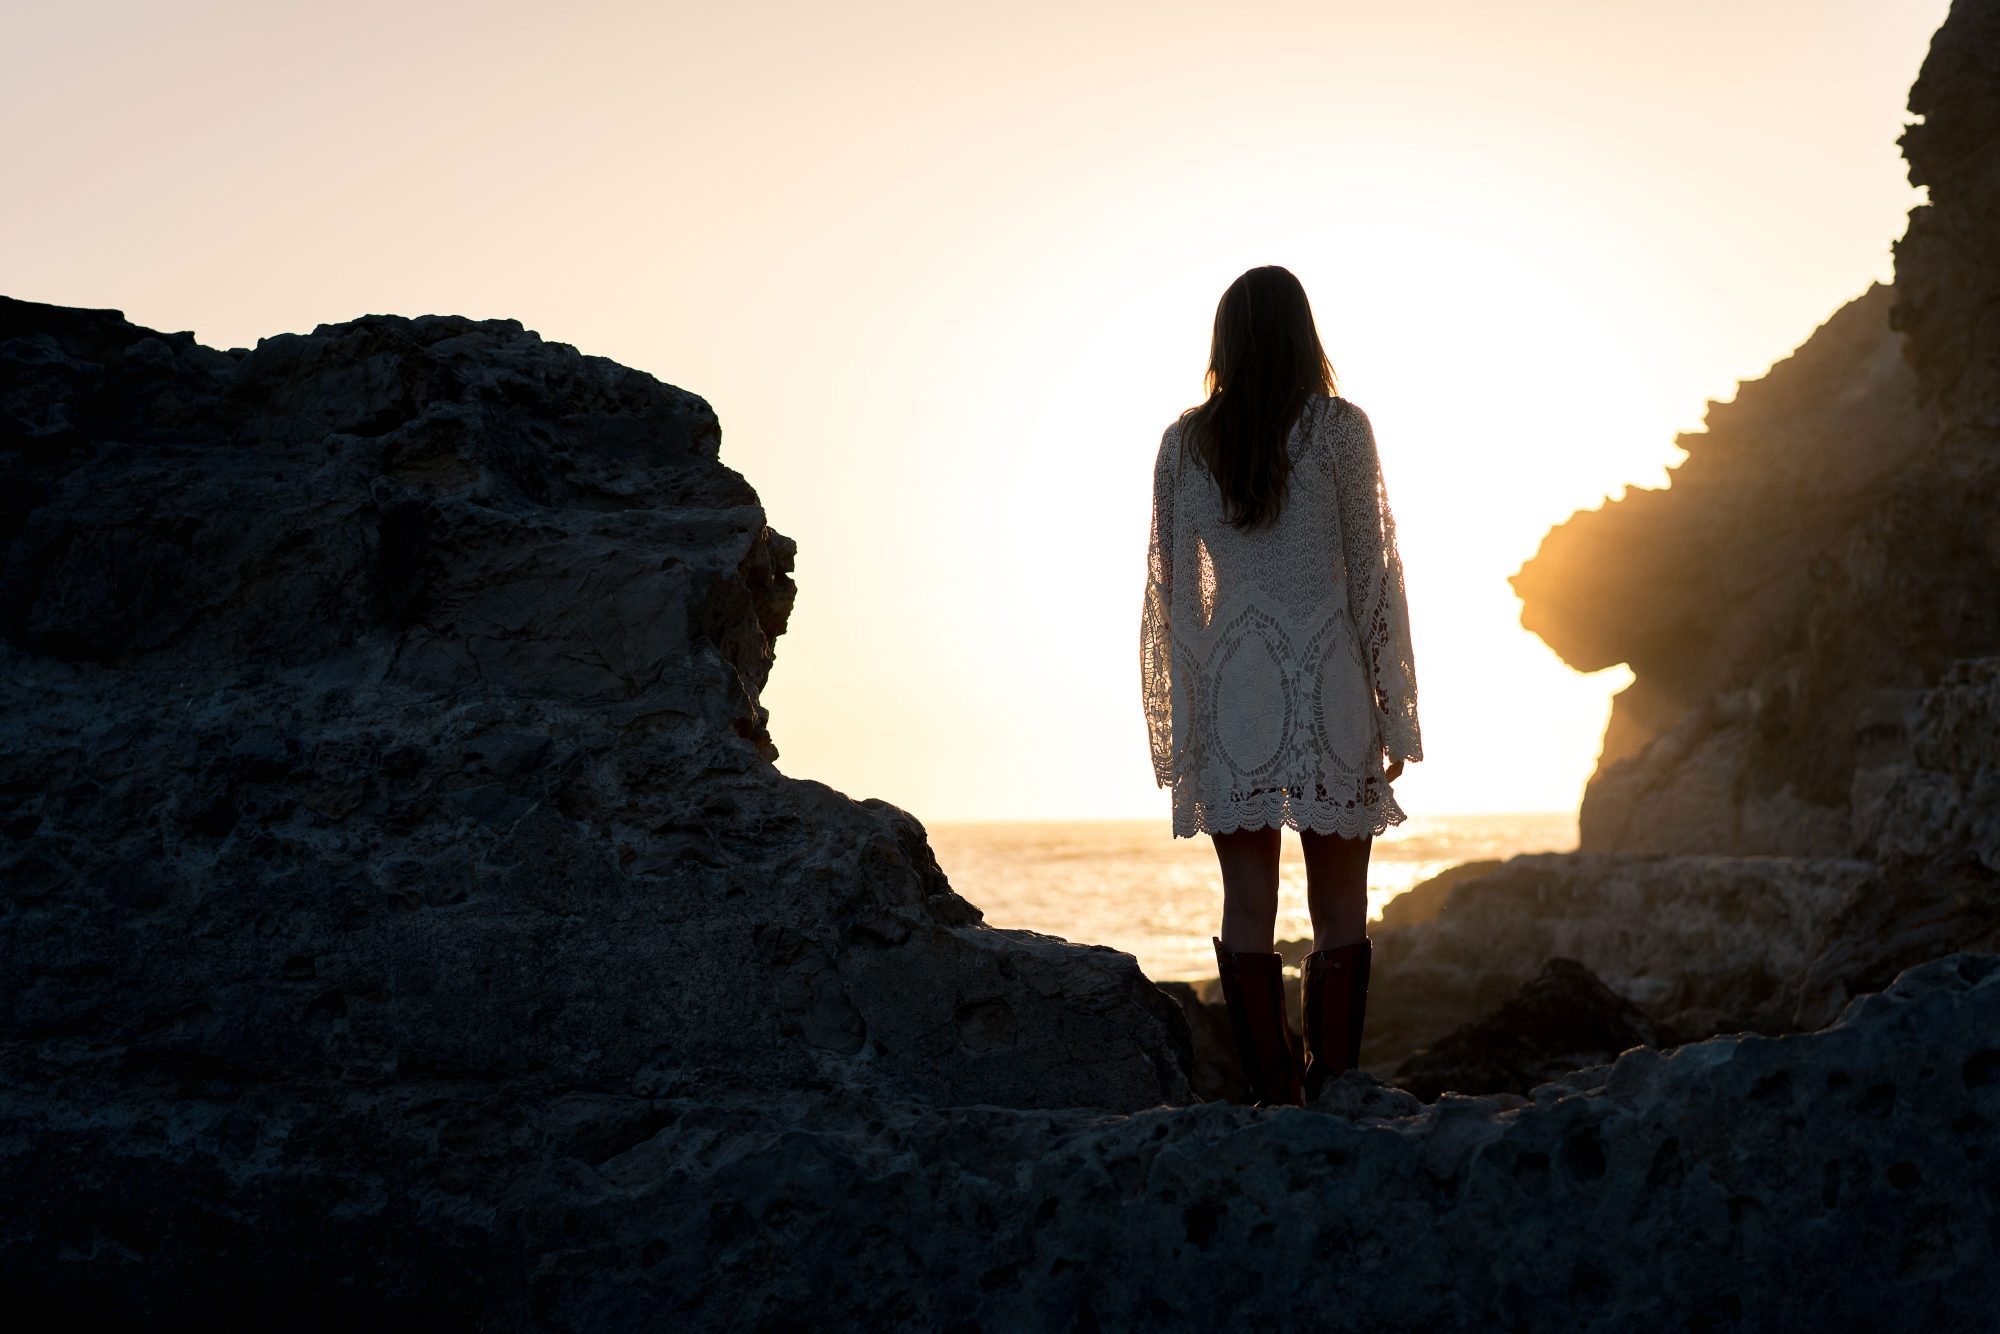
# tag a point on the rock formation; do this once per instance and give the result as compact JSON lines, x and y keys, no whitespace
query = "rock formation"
{"x":1729,"y":1182}
{"x":389,"y":806}
{"x":1704,"y":944}
{"x":404,"y":922}
{"x":1564,"y":1019}
{"x":1709,"y":1186}
{"x":368,"y":667}
{"x":1734,"y":595}
{"x":1824,"y":557}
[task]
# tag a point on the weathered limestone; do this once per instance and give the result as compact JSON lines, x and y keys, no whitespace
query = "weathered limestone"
{"x":1563,"y":1019}
{"x":382,"y":709}
{"x":1702,"y":944}
{"x":1744,"y":598}
{"x":1826,"y":553}
{"x":1760,"y":1182}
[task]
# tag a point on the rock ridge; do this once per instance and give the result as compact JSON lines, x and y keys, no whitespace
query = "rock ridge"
{"x":384,"y":748}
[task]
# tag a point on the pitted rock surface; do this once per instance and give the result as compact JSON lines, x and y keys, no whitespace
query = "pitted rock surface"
{"x":385,"y":783}
{"x":1719,"y":1184}
{"x":1564,"y":1019}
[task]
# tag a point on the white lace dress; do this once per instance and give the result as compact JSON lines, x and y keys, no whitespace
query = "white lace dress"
{"x":1276,"y":665}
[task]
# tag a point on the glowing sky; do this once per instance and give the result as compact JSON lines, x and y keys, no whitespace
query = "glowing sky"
{"x":946,"y":272}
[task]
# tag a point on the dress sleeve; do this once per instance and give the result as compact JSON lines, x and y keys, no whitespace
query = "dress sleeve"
{"x":1375,"y":587}
{"x":1155,"y":624}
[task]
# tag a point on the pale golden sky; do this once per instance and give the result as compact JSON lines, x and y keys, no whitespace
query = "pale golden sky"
{"x":946,"y":274}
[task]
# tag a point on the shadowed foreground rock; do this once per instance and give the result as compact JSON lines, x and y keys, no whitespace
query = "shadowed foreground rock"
{"x":382,"y":708}
{"x":1703,"y":1187}
{"x":390,"y":820}
{"x":1703,"y":944}
{"x":1722,"y":1184}
{"x":1564,"y":1019}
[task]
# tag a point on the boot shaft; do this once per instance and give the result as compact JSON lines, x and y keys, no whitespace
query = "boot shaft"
{"x":1333,"y":1001}
{"x":1253,"y":990}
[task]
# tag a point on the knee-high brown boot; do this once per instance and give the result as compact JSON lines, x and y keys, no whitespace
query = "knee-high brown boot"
{"x":1253,"y":989}
{"x":1333,"y":998}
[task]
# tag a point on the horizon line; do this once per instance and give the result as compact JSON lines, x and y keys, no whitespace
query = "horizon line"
{"x":1150,"y":819}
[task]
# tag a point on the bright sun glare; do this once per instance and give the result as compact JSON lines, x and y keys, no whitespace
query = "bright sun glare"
{"x":946,"y":273}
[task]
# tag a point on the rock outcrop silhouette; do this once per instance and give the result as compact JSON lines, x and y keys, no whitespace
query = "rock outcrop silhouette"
{"x":406,"y":674}
{"x":1823,"y":560}
{"x":391,"y":818}
{"x":1799,"y":794}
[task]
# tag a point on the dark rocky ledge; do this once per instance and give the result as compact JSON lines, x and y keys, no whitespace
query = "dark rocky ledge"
{"x":390,"y":816}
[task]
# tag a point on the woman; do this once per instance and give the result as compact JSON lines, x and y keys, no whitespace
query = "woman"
{"x":1276,"y":665}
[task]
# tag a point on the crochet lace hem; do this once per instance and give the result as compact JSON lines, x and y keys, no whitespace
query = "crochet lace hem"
{"x":1279,"y":807}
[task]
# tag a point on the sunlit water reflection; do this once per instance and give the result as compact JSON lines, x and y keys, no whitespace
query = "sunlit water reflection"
{"x":1127,"y":884}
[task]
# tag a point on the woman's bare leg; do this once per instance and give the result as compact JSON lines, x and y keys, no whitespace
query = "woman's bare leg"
{"x":1336,"y":887}
{"x":1249,"y":859}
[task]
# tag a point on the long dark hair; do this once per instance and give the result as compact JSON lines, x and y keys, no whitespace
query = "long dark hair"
{"x":1264,"y":362}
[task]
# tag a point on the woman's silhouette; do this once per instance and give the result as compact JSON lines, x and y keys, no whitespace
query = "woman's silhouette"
{"x":1276,"y":665}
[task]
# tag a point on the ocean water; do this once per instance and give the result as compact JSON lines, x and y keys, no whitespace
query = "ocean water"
{"x":1130,"y":885}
